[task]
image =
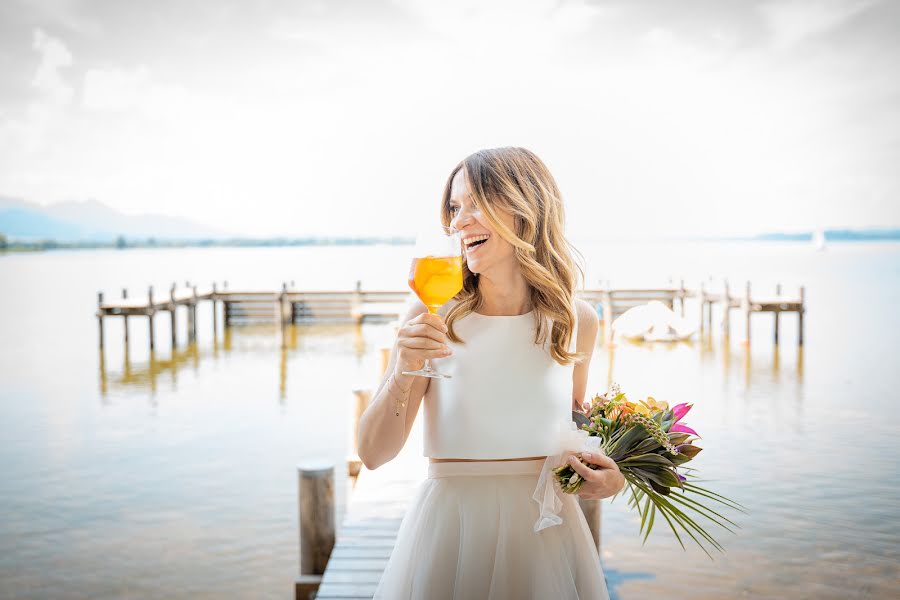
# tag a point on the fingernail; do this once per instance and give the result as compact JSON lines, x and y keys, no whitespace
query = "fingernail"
{"x":585,"y":454}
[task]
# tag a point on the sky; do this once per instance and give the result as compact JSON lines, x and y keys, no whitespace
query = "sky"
{"x":333,"y":117}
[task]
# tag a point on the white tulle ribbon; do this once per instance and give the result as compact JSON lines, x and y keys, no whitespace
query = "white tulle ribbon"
{"x":548,"y":494}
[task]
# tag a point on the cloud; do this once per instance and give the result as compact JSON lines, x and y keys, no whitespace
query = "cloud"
{"x":47,"y":78}
{"x":795,"y":21}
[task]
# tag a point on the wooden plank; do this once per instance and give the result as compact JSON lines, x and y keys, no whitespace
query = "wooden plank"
{"x":346,"y":590}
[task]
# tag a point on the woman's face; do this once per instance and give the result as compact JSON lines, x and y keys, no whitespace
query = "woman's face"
{"x":491,"y":255}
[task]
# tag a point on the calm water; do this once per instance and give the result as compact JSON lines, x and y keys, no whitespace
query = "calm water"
{"x":122,"y":480}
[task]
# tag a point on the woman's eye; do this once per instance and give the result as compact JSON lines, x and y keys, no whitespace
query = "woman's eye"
{"x":454,"y":209}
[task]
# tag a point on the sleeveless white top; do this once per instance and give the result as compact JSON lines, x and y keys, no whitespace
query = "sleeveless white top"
{"x":507,"y":396}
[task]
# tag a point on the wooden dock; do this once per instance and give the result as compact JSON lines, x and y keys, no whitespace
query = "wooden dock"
{"x":290,"y":306}
{"x":372,"y":519}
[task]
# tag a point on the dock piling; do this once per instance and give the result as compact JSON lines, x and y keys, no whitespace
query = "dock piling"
{"x":172,"y":307}
{"x":726,"y":307}
{"x":317,"y":523}
{"x":125,"y":297}
{"x":150,"y":313}
{"x":800,"y":311}
{"x":701,"y":296}
{"x":194,"y":314}
{"x":214,"y":303}
{"x":777,"y":311}
{"x":100,"y":317}
{"x":747,"y":312}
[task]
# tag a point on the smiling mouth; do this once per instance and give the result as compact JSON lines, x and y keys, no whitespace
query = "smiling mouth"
{"x":471,"y":246}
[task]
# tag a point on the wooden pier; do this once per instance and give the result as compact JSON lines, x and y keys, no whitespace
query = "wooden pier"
{"x":290,"y":306}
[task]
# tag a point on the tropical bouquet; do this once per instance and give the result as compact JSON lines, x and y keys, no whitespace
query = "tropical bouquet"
{"x":651,"y":445}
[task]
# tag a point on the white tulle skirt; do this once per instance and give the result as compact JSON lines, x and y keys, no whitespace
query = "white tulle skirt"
{"x":469,"y":535}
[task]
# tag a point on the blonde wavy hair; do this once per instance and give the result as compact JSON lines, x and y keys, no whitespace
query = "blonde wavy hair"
{"x":515,"y":180}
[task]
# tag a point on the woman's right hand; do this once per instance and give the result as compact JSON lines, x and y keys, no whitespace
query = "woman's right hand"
{"x":419,"y":339}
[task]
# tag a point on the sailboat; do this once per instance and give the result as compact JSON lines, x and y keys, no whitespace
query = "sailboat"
{"x":818,"y":239}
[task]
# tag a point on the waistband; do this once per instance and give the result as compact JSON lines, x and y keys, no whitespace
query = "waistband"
{"x":485,"y":467}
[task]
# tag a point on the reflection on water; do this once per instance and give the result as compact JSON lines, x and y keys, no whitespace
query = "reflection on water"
{"x":136,"y":475}
{"x":147,"y":373}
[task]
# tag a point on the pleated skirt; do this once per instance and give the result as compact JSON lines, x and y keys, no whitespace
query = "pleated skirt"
{"x":468,"y":534}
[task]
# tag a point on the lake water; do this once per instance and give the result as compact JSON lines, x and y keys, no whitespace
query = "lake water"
{"x":122,"y":480}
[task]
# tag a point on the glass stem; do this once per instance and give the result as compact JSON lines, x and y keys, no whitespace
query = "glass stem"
{"x":428,"y":365}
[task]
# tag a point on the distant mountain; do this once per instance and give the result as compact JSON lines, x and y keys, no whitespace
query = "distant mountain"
{"x":91,"y":221}
{"x":831,"y":235}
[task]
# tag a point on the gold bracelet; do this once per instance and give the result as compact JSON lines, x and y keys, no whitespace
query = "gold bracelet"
{"x":401,"y":402}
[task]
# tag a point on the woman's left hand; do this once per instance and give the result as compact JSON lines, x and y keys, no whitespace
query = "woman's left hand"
{"x":603,"y":482}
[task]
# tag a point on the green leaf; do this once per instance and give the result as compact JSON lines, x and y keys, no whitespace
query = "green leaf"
{"x":646,"y":459}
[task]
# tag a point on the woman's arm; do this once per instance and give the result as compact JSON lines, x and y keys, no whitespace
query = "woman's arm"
{"x":588,"y":326}
{"x":382,"y":433}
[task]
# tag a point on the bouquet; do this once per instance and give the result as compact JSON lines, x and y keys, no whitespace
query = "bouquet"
{"x":651,"y":445}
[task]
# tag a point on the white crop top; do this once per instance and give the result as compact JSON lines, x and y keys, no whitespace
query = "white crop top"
{"x":507,"y":396}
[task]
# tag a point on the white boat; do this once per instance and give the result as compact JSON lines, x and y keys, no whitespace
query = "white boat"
{"x":652,"y":322}
{"x":818,"y":239}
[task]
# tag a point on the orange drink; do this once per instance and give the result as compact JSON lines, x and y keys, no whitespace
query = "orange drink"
{"x":436,"y":279}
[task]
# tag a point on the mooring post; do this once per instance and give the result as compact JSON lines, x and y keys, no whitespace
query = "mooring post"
{"x":100,"y":316}
{"x":125,"y":297}
{"x":172,"y":312}
{"x":317,"y":523}
{"x":281,"y":314}
{"x":150,"y":317}
{"x":800,"y":314}
{"x":747,"y":312}
{"x":701,"y":296}
{"x":777,"y":309}
{"x":356,"y":310}
{"x":214,"y":302}
{"x":363,"y":398}
{"x":592,"y":512}
{"x":681,"y":294}
{"x":194,"y":314}
{"x":726,"y":316}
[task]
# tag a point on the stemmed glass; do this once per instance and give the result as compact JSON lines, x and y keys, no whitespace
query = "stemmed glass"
{"x":436,"y":275}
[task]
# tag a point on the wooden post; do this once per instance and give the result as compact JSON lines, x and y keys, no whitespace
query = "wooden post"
{"x":726,"y":316}
{"x":363,"y":398}
{"x":777,"y":311}
{"x":150,"y":317}
{"x":800,"y":315}
{"x":747,"y":312}
{"x":100,"y":316}
{"x":281,"y":314}
{"x":172,"y":312}
{"x":190,"y":324}
{"x":592,"y":512}
{"x":214,"y":302}
{"x":317,"y":523}
{"x":385,"y":360}
{"x":606,"y":301}
{"x":701,"y":296}
{"x":194,"y":317}
{"x":356,"y":310}
{"x":681,"y":294}
{"x":125,"y":296}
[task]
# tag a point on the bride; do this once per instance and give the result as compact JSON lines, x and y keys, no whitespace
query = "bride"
{"x":518,"y":346}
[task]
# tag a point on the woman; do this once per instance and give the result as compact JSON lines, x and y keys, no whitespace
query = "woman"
{"x":518,"y":345}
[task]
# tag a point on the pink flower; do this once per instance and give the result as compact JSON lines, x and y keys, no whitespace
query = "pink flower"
{"x":682,"y":428}
{"x":679,"y":410}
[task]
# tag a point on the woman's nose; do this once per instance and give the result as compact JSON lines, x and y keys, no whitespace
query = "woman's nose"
{"x":461,"y":218}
